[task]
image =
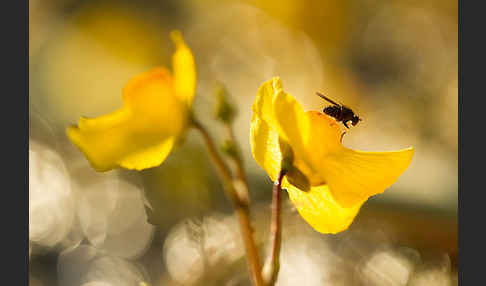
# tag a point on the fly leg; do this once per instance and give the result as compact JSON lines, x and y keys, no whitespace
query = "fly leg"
{"x":342,"y":135}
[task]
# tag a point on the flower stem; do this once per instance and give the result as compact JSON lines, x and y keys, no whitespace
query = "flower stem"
{"x":240,"y":182}
{"x":272,"y":265}
{"x":239,"y":203}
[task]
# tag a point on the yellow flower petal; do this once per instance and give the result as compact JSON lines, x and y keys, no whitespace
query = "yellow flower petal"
{"x":152,"y":100}
{"x":263,"y":105}
{"x":325,"y":136}
{"x":294,"y":127}
{"x":320,"y":210}
{"x":264,"y":131}
{"x":112,"y":147}
{"x":148,"y":157}
{"x":159,"y":74}
{"x":139,"y":135}
{"x":184,"y":69}
{"x":265,"y":147}
{"x":98,"y":138}
{"x":353,"y":176}
{"x":291,"y":120}
{"x":105,"y":121}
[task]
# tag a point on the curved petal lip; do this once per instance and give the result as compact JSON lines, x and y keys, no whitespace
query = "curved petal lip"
{"x":354,"y":176}
{"x":104,"y":155}
{"x":319,"y":209}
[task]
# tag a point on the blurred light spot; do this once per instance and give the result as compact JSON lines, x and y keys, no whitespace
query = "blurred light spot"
{"x":386,"y":268}
{"x":193,"y":247}
{"x":112,"y":214}
{"x":75,"y":235}
{"x":51,"y":206}
{"x":85,"y":265}
{"x":435,"y":277}
{"x":72,"y":264}
{"x":308,"y":260}
{"x":222,"y":241}
{"x":115,"y":271}
{"x":182,"y":257}
{"x":95,"y":204}
{"x":436,"y":271}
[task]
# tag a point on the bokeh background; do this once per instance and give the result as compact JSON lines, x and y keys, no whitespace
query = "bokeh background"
{"x":393,"y":62}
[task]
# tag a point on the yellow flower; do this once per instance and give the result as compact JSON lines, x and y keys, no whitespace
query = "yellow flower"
{"x":326,"y":181}
{"x":154,"y":114}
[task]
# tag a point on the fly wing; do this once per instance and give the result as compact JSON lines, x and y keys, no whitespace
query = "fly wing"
{"x":327,"y":98}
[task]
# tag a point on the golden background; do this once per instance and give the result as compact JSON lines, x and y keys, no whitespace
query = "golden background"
{"x":393,"y":62}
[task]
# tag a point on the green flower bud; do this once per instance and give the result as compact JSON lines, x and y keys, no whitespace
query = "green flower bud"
{"x":225,"y":111}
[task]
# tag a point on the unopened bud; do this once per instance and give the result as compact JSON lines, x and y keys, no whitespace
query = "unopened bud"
{"x":229,"y":148}
{"x":225,"y":111}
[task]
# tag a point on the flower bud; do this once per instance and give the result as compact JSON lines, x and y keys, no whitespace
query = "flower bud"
{"x":225,"y":111}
